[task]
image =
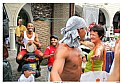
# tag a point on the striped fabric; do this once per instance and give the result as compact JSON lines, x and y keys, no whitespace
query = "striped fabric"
{"x":85,"y":49}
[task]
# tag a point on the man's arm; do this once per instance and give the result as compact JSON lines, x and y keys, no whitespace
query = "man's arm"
{"x":36,"y":42}
{"x":20,"y":39}
{"x":60,"y":55}
{"x":48,"y":56}
{"x":47,"y":53}
{"x":88,"y":44}
{"x":115,"y":75}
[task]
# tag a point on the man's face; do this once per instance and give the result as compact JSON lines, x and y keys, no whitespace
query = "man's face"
{"x":54,"y":42}
{"x":30,"y":27}
{"x":20,"y":22}
{"x":28,"y":73}
{"x":82,"y":32}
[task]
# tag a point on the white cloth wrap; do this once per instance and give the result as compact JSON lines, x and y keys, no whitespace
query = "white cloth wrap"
{"x":70,"y":32}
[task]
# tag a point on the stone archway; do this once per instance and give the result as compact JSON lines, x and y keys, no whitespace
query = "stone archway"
{"x":106,"y":14}
{"x":101,"y":18}
{"x":116,"y":22}
{"x":12,"y":11}
{"x":24,"y":16}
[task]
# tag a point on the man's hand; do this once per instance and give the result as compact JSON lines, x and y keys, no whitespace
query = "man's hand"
{"x":22,"y":43}
{"x":51,"y":55}
{"x":30,"y":42}
{"x":84,"y":59}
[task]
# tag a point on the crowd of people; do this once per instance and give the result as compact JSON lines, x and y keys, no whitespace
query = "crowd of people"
{"x":66,"y":58}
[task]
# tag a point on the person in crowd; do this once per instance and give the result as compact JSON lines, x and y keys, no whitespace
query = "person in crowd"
{"x":5,"y":49}
{"x":5,"y":52}
{"x":28,"y":38}
{"x":7,"y":41}
{"x":115,"y":73}
{"x":26,"y":75}
{"x":50,"y":50}
{"x":19,"y":29}
{"x":49,"y":53}
{"x":96,"y":55}
{"x":86,"y":47}
{"x":68,"y":59}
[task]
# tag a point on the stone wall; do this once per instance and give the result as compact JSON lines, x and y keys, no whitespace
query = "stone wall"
{"x":42,"y":28}
{"x":61,"y":14}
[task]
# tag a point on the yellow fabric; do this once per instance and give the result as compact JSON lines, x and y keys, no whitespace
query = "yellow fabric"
{"x":97,"y":63}
{"x":19,"y":30}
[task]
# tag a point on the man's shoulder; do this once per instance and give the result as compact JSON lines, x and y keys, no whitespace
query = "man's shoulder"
{"x":62,"y":48}
{"x":22,"y":76}
{"x":62,"y":51}
{"x":23,"y":26}
{"x":62,"y":45}
{"x":48,"y":47}
{"x":35,"y":34}
{"x":17,"y":27}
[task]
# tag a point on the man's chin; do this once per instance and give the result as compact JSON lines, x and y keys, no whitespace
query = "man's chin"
{"x":54,"y":45}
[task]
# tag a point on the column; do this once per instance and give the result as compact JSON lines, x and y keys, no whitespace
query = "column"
{"x":13,"y":51}
{"x":12,"y":38}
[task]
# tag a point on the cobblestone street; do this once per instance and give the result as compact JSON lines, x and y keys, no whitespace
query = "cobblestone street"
{"x":16,"y":75}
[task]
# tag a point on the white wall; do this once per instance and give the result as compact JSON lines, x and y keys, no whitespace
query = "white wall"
{"x":109,"y":10}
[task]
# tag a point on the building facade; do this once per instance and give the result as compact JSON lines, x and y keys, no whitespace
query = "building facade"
{"x":53,"y":17}
{"x":48,"y":19}
{"x":106,"y":14}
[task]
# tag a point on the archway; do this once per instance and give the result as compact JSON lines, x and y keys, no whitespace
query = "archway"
{"x":23,"y":15}
{"x":116,"y":22}
{"x":101,"y":18}
{"x":104,"y":15}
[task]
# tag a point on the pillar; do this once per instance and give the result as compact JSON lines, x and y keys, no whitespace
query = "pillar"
{"x":13,"y":50}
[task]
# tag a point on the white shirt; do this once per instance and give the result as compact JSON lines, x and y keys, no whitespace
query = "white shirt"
{"x":26,"y":39}
{"x":24,"y":79}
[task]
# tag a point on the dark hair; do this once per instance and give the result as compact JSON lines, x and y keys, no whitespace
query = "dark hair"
{"x":98,"y":29}
{"x":54,"y":36}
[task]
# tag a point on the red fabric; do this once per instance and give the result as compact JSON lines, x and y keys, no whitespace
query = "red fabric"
{"x":90,"y":26}
{"x":116,"y":30}
{"x":24,"y":51}
{"x":5,"y":52}
{"x":50,"y":50}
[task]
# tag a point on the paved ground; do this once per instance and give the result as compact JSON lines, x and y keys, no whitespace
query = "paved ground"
{"x":16,"y":75}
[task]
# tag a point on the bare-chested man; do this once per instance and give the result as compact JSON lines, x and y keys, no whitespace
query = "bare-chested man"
{"x":67,"y":64}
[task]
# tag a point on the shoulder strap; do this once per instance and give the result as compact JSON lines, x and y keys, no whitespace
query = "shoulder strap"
{"x":104,"y":60}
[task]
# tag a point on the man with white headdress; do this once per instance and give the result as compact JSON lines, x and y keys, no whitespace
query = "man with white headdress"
{"x":68,"y":59}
